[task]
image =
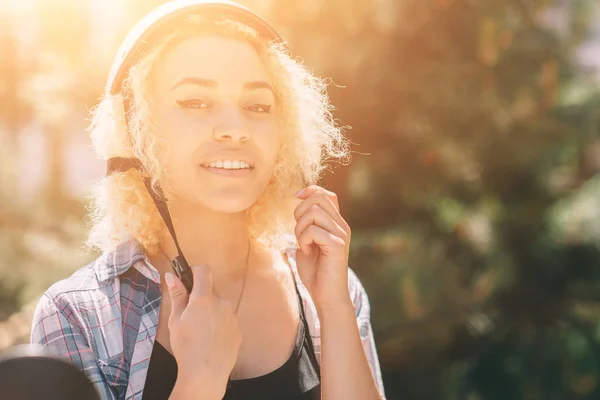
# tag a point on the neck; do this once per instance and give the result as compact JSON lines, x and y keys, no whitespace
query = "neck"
{"x":208,"y":237}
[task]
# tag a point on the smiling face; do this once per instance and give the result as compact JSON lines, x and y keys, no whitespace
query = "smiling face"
{"x":213,"y":103}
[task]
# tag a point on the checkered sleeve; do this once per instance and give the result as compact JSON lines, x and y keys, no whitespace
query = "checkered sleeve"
{"x":54,"y":327}
{"x":363,"y":318}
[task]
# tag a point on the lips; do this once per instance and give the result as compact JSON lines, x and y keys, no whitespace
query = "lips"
{"x":232,"y":173}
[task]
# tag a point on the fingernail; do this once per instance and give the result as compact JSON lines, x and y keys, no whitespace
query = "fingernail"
{"x":169,"y":280}
{"x":299,"y":193}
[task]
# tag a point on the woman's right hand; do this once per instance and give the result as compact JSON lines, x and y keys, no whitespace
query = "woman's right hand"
{"x":204,"y":334}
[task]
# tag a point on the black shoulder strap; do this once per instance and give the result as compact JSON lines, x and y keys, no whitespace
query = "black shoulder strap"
{"x":308,"y":338}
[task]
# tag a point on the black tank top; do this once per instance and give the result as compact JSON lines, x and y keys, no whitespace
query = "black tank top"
{"x":297,"y":379}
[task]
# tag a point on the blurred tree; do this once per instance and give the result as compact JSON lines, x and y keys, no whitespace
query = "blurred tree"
{"x":64,"y":28}
{"x":9,"y":78}
{"x":63,"y":38}
{"x":14,"y":110}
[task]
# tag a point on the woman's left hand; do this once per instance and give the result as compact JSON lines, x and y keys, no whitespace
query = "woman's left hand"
{"x":324,"y":240}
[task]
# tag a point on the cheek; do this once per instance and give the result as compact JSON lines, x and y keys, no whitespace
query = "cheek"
{"x":269,"y":141}
{"x":181,"y":128}
{"x":182,"y":138}
{"x":183,"y":133}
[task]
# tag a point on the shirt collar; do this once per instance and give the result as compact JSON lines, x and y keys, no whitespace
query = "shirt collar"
{"x":119,"y":260}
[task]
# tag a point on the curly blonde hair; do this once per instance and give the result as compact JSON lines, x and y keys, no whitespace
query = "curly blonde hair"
{"x":123,"y":209}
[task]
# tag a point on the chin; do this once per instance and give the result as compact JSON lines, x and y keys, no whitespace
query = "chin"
{"x":230,"y":202}
{"x":226,"y":200}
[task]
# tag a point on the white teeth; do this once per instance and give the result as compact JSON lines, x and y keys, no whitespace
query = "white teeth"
{"x":229,"y":164}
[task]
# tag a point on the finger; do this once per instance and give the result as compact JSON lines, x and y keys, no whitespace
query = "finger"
{"x":178,"y":293}
{"x":317,"y":216}
{"x":327,"y":242}
{"x":320,"y":199}
{"x":315,"y":189}
{"x":203,"y":281}
{"x":327,"y":205}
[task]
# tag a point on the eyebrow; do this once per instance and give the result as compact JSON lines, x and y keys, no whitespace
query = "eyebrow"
{"x":209,"y":83}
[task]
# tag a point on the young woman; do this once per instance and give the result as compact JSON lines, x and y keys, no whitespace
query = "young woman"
{"x":206,"y":110}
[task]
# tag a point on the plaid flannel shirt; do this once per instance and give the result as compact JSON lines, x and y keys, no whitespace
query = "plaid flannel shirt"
{"x":104,"y":318}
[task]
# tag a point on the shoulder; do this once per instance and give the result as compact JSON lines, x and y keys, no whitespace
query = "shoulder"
{"x":69,"y":296}
{"x":96,"y":277}
{"x":89,"y":289}
{"x":84,"y":279}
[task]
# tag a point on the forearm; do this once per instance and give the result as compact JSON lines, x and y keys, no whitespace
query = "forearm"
{"x":345,"y":370}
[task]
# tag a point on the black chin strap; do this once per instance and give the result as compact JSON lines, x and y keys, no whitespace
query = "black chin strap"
{"x":120,"y":164}
{"x":179,"y":263}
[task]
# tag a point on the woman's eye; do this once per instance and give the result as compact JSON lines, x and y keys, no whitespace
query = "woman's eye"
{"x":260,"y":108}
{"x":192,"y":104}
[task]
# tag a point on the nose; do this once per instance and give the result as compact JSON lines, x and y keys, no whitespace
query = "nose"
{"x":231,"y":127}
